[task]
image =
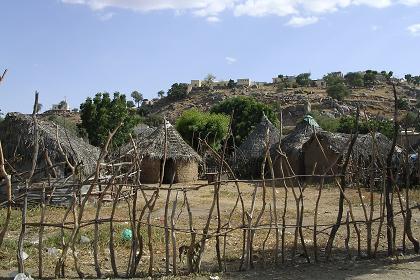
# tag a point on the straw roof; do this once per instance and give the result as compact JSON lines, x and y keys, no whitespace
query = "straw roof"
{"x":363,"y":147}
{"x":153,"y":145}
{"x":254,"y":145}
{"x":294,"y":141}
{"x":17,"y":132}
{"x":141,"y":129}
{"x":144,"y":133}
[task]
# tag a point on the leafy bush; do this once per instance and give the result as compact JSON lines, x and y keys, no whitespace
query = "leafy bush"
{"x":369,"y":79}
{"x":325,"y":122}
{"x":348,"y":125}
{"x":194,"y":124}
{"x":303,"y":79}
{"x":332,"y":79}
{"x":338,"y":91}
{"x":247,"y":113}
{"x":402,"y":104}
{"x":354,"y":79}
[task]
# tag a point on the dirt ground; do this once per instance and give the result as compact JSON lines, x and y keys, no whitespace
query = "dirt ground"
{"x":345,"y":264}
{"x":407,"y":267}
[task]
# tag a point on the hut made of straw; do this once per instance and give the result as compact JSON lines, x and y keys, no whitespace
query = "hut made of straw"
{"x":142,"y":130}
{"x":291,"y":146}
{"x":17,"y":134}
{"x":324,"y":151}
{"x":251,"y":152}
{"x":181,"y":160}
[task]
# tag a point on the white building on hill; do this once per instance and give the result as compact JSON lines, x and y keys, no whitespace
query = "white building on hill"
{"x":243,"y":82}
{"x":195,"y":83}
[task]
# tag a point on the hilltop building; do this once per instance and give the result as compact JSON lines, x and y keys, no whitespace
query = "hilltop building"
{"x":62,"y":106}
{"x":195,"y":83}
{"x":243,"y":82}
{"x":287,"y":79}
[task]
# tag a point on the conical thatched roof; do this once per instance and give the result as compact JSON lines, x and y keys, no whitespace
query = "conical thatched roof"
{"x":145,"y":133}
{"x":153,"y":145}
{"x":142,"y":130}
{"x":17,"y":133}
{"x":254,"y":145}
{"x":294,"y":141}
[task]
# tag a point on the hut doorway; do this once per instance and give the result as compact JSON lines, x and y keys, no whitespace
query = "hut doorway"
{"x":170,"y":170}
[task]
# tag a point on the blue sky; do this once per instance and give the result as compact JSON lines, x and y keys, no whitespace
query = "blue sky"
{"x":76,"y":48}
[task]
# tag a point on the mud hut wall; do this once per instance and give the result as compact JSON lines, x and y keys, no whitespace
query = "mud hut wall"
{"x":295,"y":159}
{"x":185,"y":171}
{"x":315,"y":160}
{"x":150,"y":171}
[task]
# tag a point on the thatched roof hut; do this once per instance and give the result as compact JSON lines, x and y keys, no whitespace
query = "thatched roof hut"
{"x":17,"y":136}
{"x":181,"y":160}
{"x":142,"y":130}
{"x":251,"y":152}
{"x":335,"y":147}
{"x":291,"y":146}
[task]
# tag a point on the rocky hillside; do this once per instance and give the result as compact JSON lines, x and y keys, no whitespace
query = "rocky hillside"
{"x":377,"y":101}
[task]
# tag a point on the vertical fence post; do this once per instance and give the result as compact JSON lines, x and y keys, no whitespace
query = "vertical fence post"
{"x":21,"y":265}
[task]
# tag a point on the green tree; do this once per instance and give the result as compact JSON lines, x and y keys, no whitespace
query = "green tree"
{"x":130,"y":104}
{"x":338,"y":91}
{"x":62,"y":105}
{"x":209,"y":78}
{"x":387,"y":75}
{"x":348,"y":125}
{"x":332,"y":79}
{"x":408,"y":78}
{"x":102,"y":114}
{"x":325,"y":122}
{"x":303,"y":79}
{"x":194,"y":124}
{"x":354,"y":79}
{"x":247,"y":114}
{"x":137,"y":97}
{"x":369,"y":78}
{"x":161,"y":93}
{"x":416,"y":80}
{"x":231,"y":83}
{"x":178,"y":91}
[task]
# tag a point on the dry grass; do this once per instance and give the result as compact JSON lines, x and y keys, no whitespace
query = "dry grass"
{"x":200,"y":202}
